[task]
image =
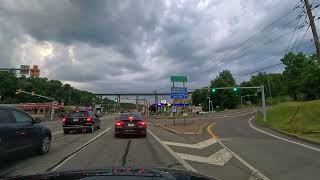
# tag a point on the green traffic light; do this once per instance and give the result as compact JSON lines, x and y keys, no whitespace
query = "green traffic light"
{"x":235,"y":89}
{"x":213,"y":90}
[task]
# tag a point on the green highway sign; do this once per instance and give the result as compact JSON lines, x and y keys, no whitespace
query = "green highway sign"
{"x":179,"y":78}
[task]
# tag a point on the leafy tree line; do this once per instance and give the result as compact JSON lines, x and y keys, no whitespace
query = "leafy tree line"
{"x":65,"y":93}
{"x":300,"y":80}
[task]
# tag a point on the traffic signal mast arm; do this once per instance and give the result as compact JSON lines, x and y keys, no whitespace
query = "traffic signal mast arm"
{"x":33,"y":94}
{"x":253,"y":87}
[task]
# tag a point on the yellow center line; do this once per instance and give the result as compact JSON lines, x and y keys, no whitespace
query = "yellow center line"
{"x":211,"y":133}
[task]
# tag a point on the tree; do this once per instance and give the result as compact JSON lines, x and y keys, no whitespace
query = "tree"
{"x":9,"y":83}
{"x":224,"y":98}
{"x":295,"y":73}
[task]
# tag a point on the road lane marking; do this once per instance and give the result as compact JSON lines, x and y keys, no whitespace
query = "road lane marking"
{"x":281,"y":138}
{"x":74,"y":153}
{"x":219,"y":158}
{"x":199,"y":145}
{"x":55,"y":133}
{"x":181,"y":161}
{"x":224,"y":116}
{"x":254,"y":173}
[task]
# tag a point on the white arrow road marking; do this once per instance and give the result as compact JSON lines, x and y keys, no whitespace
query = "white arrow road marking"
{"x":219,"y":158}
{"x":199,"y":145}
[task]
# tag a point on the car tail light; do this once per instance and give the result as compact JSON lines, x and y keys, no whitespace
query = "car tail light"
{"x":64,"y":120}
{"x":119,"y":123}
{"x":142,"y":124}
{"x":89,"y":119}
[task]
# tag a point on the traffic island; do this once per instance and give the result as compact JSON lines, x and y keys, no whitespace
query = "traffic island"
{"x":193,"y":128}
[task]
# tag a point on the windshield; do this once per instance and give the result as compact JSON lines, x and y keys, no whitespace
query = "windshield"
{"x":129,"y":116}
{"x":225,"y":89}
{"x":79,"y":114}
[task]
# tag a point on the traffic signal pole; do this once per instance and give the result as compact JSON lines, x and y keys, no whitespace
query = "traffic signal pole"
{"x":38,"y":95}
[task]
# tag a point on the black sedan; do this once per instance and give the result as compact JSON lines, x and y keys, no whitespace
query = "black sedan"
{"x":131,"y":124}
{"x":20,"y":132}
{"x":81,"y":120}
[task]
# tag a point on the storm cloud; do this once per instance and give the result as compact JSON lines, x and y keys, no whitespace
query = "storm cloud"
{"x":109,"y":46}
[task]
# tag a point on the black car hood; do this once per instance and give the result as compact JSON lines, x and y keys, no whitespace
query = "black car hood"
{"x":154,"y":173}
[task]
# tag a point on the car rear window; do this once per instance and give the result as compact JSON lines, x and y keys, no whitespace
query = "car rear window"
{"x":126,"y":116}
{"x":79,"y":114}
{"x":5,"y":116}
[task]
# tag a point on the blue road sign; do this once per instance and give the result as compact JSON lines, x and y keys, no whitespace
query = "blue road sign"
{"x":179,"y":92}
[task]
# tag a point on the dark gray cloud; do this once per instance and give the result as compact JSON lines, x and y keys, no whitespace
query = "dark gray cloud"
{"x":136,"y":45}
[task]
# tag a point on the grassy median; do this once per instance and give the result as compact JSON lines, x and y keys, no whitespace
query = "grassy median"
{"x":300,"y":118}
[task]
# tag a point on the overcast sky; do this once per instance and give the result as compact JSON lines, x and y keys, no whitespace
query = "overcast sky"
{"x":133,"y":45}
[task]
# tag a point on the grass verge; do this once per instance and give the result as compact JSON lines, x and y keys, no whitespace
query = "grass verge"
{"x":300,"y":118}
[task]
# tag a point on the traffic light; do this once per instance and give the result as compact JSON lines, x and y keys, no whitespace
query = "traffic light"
{"x":235,"y":89}
{"x":127,"y":100}
{"x":213,"y":90}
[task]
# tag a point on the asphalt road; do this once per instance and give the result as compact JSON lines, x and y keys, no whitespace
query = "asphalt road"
{"x":240,"y":152}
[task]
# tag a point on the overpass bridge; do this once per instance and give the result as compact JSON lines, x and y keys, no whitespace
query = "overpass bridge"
{"x":119,"y":95}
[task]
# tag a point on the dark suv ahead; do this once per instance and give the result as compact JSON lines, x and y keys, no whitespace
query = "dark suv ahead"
{"x":20,"y":132}
{"x":131,"y":124}
{"x":81,"y":120}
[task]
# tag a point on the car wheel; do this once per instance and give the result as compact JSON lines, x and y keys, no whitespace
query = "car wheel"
{"x":144,"y":135}
{"x":44,"y":146}
{"x":65,"y":131}
{"x":91,"y":129}
{"x":116,"y":135}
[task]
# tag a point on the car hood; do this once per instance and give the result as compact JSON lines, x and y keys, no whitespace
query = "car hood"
{"x":163,"y":173}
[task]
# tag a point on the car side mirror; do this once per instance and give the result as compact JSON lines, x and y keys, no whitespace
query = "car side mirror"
{"x":36,"y":120}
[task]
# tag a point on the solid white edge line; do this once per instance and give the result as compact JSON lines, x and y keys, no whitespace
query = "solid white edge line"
{"x":281,"y":138}
{"x":180,"y":160}
{"x":67,"y":159}
{"x":55,"y":133}
{"x":254,"y":170}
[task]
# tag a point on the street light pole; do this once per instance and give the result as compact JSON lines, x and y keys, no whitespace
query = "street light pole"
{"x":241,"y":101}
{"x":209,"y":103}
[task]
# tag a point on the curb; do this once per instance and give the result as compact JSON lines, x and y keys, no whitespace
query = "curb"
{"x":200,"y":131}
{"x":289,"y":134}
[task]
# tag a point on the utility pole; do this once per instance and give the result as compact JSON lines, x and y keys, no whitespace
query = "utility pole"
{"x":313,"y":26}
{"x":264,"y":111}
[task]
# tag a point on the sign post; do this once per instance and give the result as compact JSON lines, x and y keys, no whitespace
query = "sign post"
{"x":178,"y":93}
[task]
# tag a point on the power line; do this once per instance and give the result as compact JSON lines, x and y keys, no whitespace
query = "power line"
{"x":259,"y":70}
{"x":295,"y":28}
{"x":240,"y":56}
{"x":249,"y":39}
{"x":267,"y":27}
{"x":303,"y":38}
{"x":268,"y":67}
